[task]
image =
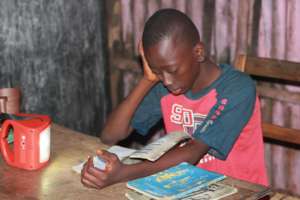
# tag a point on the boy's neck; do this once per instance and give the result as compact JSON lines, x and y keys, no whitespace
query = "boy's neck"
{"x":208,"y":73}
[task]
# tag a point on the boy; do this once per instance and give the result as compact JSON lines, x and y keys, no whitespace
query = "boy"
{"x":217,"y":105}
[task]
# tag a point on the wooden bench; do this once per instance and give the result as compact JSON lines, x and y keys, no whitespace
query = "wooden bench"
{"x":279,"y":71}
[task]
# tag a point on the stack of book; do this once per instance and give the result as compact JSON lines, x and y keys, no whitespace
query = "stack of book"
{"x":184,"y":181}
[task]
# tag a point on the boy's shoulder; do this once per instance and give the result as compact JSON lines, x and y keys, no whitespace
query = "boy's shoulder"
{"x":232,"y":78}
{"x":230,"y":72}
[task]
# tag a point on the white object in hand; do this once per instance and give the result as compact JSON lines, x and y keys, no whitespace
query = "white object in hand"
{"x":98,"y":163}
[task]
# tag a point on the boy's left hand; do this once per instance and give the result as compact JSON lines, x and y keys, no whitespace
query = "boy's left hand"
{"x":148,"y":74}
{"x":95,"y":178}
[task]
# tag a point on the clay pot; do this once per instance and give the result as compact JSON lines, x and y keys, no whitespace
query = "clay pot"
{"x":10,"y":100}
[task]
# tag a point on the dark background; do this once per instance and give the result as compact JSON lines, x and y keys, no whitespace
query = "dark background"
{"x":55,"y":51}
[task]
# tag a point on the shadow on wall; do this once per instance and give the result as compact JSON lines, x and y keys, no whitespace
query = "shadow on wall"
{"x":55,"y":51}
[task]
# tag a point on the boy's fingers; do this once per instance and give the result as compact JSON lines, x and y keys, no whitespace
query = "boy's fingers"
{"x":86,"y":182}
{"x":105,"y":155}
{"x":146,"y":66}
{"x":88,"y":168}
{"x":85,"y":165}
{"x":85,"y":176}
{"x":89,"y":175}
{"x":92,"y":177}
{"x":98,"y":173}
{"x":109,"y":159}
{"x":89,"y":162}
{"x":141,"y":49}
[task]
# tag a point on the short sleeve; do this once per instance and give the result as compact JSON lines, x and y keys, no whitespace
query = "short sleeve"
{"x":148,"y":112}
{"x":228,"y":117}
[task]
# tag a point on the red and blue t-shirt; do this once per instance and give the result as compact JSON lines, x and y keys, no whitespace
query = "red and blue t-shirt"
{"x":225,"y":116}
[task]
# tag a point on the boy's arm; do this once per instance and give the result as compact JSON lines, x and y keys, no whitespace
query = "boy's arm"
{"x":117,"y":127}
{"x":116,"y":171}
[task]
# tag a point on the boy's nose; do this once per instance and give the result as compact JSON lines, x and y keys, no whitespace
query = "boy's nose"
{"x":167,"y":80}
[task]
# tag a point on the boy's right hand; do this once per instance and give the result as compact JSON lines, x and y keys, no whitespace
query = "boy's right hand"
{"x":148,"y":74}
{"x":97,"y":178}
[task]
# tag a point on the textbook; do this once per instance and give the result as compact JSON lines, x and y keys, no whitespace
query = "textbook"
{"x":151,"y":151}
{"x":157,"y":148}
{"x":214,"y":191}
{"x":175,"y":183}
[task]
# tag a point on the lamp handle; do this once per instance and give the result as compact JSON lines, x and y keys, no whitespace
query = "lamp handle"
{"x":6,"y":152}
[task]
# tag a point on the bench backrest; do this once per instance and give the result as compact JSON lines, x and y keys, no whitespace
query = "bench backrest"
{"x":279,"y":71}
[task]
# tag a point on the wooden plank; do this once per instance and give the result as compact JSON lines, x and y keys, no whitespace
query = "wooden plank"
{"x":266,"y":67}
{"x":280,"y":133}
{"x":278,"y":94}
{"x":280,"y":196}
{"x":240,"y":62}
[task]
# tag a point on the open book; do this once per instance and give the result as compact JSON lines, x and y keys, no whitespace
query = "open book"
{"x":151,"y":151}
{"x":157,"y":148}
{"x":180,"y":181}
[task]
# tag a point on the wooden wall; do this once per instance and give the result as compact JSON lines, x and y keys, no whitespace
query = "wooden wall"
{"x":55,"y":51}
{"x":268,"y":28}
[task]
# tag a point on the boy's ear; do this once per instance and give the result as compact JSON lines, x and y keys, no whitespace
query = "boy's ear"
{"x":199,"y":52}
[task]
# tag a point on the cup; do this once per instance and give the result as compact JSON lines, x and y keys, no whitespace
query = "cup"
{"x":10,"y":100}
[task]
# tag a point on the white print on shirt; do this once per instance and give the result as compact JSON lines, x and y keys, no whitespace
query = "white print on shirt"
{"x":209,"y":122}
{"x":206,"y":158}
{"x":190,"y":122}
{"x":182,"y":116}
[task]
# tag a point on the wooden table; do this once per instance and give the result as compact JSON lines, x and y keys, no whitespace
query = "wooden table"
{"x":58,"y":181}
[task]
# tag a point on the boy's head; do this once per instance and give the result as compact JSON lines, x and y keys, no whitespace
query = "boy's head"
{"x":173,"y":49}
{"x":166,"y":23}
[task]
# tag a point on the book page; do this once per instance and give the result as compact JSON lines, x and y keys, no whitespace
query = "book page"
{"x":214,"y":191}
{"x":132,"y":195}
{"x":156,"y":149}
{"x":121,"y":152}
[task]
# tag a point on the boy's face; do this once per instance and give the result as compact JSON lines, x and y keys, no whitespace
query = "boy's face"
{"x":174,"y":63}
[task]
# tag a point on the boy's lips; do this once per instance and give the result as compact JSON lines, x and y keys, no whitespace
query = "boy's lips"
{"x":175,"y":91}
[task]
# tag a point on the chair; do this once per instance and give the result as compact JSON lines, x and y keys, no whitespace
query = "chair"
{"x":278,"y":71}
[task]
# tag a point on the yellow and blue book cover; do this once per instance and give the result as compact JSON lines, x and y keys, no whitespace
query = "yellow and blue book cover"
{"x":175,"y":182}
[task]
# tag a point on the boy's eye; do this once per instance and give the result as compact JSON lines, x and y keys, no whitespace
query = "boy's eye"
{"x":156,"y":72}
{"x":173,"y":70}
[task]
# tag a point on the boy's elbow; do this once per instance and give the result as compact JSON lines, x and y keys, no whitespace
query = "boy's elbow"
{"x":111,"y":137}
{"x":106,"y":139}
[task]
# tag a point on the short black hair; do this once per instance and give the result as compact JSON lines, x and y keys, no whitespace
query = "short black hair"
{"x":169,"y":22}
